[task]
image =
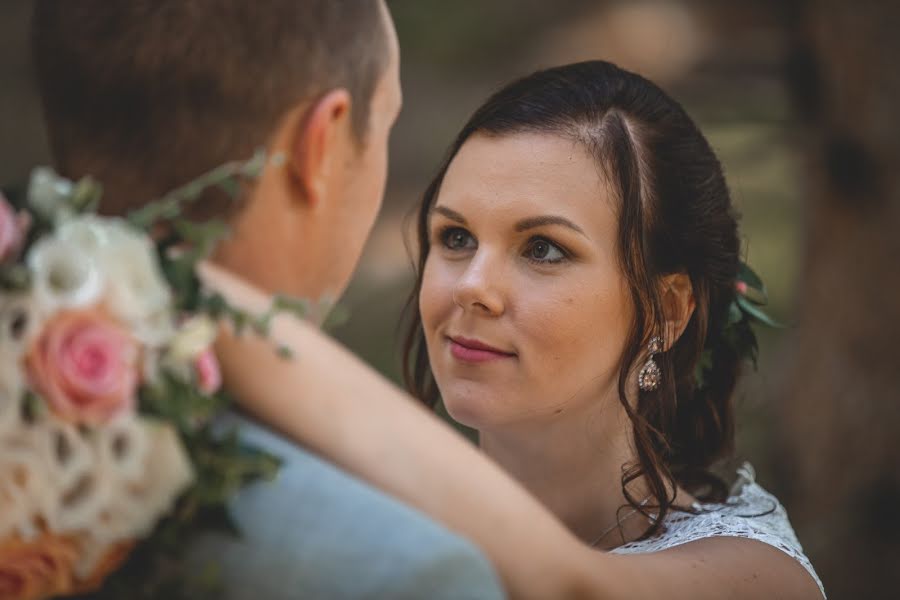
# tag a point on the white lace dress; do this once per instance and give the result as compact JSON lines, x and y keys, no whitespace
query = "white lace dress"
{"x":750,"y":512}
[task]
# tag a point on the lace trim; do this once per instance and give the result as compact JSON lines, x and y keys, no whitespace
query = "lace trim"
{"x":750,"y":512}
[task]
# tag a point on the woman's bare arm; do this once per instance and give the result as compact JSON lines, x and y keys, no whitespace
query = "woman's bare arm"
{"x":339,"y":407}
{"x":342,"y":409}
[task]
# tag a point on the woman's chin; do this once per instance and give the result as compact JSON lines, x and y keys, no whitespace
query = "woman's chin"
{"x":464,"y":415}
{"x":472,"y":410}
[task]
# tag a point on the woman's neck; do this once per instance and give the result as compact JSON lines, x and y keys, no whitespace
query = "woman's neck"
{"x":573,"y":464}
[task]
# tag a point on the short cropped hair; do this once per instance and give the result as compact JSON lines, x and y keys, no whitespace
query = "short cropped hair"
{"x":148,"y":94}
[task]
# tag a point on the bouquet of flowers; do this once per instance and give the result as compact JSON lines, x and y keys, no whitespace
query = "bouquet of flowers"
{"x":108,"y":386}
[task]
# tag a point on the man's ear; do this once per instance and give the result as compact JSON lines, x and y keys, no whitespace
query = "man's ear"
{"x":318,"y":144}
{"x":678,"y":305}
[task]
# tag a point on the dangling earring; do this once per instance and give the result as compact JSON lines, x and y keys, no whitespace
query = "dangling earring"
{"x":650,"y":376}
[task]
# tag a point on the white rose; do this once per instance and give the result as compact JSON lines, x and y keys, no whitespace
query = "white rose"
{"x":92,"y":234}
{"x":91,"y":550}
{"x":135,"y":508}
{"x":68,"y":452}
{"x":168,"y":470}
{"x":155,"y":330}
{"x":11,"y":391}
{"x":81,"y":505}
{"x":63,"y":485}
{"x":48,"y":194}
{"x":64,"y":276}
{"x":20,"y":322}
{"x":137,"y":292}
{"x":30,"y":492}
{"x":122,"y":447}
{"x":150,"y":366}
{"x":195,"y":335}
{"x":15,"y":507}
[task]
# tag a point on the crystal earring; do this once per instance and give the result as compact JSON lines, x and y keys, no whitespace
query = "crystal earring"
{"x":650,"y":376}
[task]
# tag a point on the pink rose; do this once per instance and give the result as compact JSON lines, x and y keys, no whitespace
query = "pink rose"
{"x":85,"y":366}
{"x":741,"y":287}
{"x":13,"y":228}
{"x":209,"y":376}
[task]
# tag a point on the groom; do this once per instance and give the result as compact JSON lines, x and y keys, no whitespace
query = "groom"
{"x":147,"y":95}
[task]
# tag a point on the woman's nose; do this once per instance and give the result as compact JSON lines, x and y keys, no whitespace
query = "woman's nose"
{"x":479,"y":288}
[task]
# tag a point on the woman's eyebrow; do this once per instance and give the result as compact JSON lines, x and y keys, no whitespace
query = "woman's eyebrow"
{"x":522,"y":225}
{"x":532,"y":222}
{"x":450,"y":214}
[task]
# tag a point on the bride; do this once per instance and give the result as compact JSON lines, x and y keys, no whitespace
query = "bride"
{"x":578,"y":255}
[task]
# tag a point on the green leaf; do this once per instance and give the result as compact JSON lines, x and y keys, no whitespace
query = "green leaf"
{"x":179,"y":271}
{"x":33,"y":407}
{"x":86,"y":195}
{"x":219,"y":519}
{"x":734,"y":314}
{"x":231,"y":187}
{"x":757,"y":313}
{"x":299,"y":307}
{"x":15,"y":278}
{"x":338,"y":315}
{"x":179,"y":403}
{"x":754,"y":352}
{"x":756,"y":289}
{"x":749,"y":276}
{"x":203,"y":236}
{"x":172,"y":204}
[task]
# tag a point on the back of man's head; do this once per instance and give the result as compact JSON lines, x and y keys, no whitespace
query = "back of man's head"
{"x":148,"y":94}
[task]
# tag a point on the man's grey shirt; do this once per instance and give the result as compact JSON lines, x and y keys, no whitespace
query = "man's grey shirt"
{"x":317,"y":532}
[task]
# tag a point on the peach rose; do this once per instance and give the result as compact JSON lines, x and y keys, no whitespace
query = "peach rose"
{"x":86,"y":367}
{"x":41,"y":568}
{"x":111,"y":560}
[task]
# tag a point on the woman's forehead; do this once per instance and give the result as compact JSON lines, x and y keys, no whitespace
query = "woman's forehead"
{"x":525,"y":173}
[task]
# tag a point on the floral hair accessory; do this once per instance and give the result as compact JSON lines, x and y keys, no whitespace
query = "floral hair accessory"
{"x":737,"y":334}
{"x":108,"y":384}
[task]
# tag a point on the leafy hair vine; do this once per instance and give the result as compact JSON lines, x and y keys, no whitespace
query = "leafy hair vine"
{"x":737,"y":333}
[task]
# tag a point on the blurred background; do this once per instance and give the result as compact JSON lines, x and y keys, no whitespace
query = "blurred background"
{"x":799,"y":100}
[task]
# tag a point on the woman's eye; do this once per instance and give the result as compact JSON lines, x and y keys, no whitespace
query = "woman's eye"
{"x":456,"y":238}
{"x":543,"y":251}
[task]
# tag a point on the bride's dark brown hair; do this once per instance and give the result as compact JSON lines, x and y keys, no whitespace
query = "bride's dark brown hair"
{"x":675,"y":216}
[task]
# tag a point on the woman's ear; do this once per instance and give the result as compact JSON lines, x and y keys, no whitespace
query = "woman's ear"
{"x":678,"y":305}
{"x":319,"y":139}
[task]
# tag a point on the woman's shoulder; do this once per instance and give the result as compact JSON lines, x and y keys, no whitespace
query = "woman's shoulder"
{"x":750,"y":512}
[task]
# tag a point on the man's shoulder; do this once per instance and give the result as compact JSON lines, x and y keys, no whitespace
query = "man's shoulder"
{"x":317,"y":532}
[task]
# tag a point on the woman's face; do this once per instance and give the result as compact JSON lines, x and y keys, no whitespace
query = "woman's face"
{"x":524,"y":306}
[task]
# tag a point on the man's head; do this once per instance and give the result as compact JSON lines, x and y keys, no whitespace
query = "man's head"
{"x":146,"y":95}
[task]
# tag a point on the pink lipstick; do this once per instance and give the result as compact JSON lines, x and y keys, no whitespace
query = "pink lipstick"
{"x":474,"y":351}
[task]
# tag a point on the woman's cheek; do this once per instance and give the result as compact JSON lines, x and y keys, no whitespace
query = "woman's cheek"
{"x":551,"y":326}
{"x":573,"y":329}
{"x":436,"y":295}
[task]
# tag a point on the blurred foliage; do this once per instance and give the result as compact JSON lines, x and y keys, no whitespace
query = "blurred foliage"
{"x":478,"y":35}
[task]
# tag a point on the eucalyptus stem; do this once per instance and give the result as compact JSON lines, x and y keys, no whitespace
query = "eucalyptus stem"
{"x":171,"y":205}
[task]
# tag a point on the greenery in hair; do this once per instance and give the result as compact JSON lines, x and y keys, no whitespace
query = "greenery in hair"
{"x":745,"y":311}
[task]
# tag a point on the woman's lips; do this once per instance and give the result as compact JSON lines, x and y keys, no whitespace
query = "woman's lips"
{"x":473,"y":351}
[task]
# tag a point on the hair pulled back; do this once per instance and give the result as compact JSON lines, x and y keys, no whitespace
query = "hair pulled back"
{"x":675,"y":216}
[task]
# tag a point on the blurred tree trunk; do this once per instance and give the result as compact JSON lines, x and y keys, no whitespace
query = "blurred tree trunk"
{"x":841,"y":404}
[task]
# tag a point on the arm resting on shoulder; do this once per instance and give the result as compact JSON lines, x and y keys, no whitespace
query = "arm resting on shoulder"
{"x":341,"y":408}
